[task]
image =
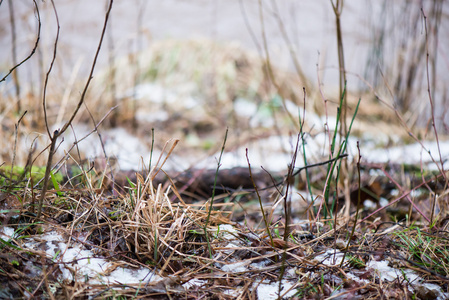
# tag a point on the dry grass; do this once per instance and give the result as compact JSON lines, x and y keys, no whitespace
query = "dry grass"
{"x":225,"y":251}
{"x":146,"y":227}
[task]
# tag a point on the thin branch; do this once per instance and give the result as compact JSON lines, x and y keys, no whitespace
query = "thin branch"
{"x":58,"y":133}
{"x":35,"y":44}
{"x":47,"y":76}
{"x":431,"y":101}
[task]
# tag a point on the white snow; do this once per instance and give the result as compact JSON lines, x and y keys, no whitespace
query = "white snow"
{"x":356,"y":278}
{"x":236,"y":267}
{"x":330,"y":257}
{"x":129,"y":150}
{"x":227,"y":231}
{"x":157,"y":94}
{"x":244,"y":107}
{"x":385,"y":272}
{"x":269,"y":291}
{"x":6,"y":231}
{"x":194,"y":283}
{"x":409,"y":154}
{"x":260,"y":265}
{"x":273,"y":153}
{"x":85,"y":264}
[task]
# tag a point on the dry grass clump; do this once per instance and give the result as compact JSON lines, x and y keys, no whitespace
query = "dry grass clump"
{"x":161,"y":232}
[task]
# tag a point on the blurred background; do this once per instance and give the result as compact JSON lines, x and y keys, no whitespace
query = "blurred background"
{"x":189,"y":69}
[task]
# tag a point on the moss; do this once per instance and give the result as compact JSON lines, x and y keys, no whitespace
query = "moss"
{"x":18,"y":178}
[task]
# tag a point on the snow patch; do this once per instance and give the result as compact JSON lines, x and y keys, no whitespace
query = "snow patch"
{"x":236,"y":267}
{"x":330,"y":257}
{"x":227,"y":231}
{"x":85,"y":264}
{"x":8,"y":232}
{"x":128,"y":149}
{"x":269,"y":291}
{"x":385,"y":272}
{"x":194,"y":283}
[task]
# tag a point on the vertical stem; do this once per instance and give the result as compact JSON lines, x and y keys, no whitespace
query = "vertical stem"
{"x":338,"y":8}
{"x":267,"y":227}
{"x":51,"y":152}
{"x":359,"y":202}
{"x":431,"y":101}
{"x":111,"y":73}
{"x":213,"y":195}
{"x":15,"y":75}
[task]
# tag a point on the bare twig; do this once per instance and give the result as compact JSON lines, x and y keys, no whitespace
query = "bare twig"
{"x":35,"y":44}
{"x":58,"y":133}
{"x":288,"y":211}
{"x":16,"y":132}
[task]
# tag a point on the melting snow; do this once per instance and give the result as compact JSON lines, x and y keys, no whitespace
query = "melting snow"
{"x":7,"y":232}
{"x":273,"y":153}
{"x":127,"y":148}
{"x":194,"y":283}
{"x":236,"y":267}
{"x":269,"y":291}
{"x":388,"y":273}
{"x":410,"y":154}
{"x":95,"y":269}
{"x":228,"y":231}
{"x":330,"y":257}
{"x":85,"y":264}
{"x":260,"y":265}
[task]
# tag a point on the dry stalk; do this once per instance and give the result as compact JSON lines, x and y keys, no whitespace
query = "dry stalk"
{"x":338,"y":9}
{"x":288,"y":211}
{"x":15,"y":75}
{"x":267,"y":226}
{"x":432,"y":105}
{"x":206,"y":223}
{"x":359,"y":203}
